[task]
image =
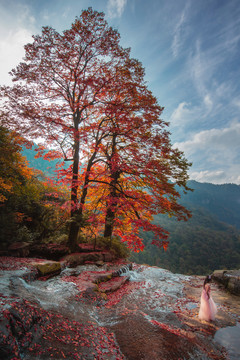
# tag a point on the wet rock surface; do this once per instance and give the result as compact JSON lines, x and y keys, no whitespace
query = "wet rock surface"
{"x":152,"y":315}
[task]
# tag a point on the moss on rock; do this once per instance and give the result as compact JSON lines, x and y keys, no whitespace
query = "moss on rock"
{"x":48,"y":267}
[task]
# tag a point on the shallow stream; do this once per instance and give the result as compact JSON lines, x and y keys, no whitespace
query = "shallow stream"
{"x":144,"y":315}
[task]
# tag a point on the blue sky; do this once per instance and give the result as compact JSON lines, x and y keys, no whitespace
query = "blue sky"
{"x":190,"y":50}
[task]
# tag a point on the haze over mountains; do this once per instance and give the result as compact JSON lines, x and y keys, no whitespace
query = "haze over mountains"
{"x":220,"y":200}
{"x":210,"y":240}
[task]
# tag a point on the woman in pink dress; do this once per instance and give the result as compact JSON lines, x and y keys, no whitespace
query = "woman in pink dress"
{"x":208,"y":308}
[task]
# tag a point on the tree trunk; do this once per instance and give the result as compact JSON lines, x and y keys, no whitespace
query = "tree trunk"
{"x":113,"y":196}
{"x":109,"y":223}
{"x":73,"y":235}
{"x":74,"y":225}
{"x":110,"y":214}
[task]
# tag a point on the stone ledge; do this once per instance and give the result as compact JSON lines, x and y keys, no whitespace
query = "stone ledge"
{"x":75,"y":259}
{"x":229,"y":278}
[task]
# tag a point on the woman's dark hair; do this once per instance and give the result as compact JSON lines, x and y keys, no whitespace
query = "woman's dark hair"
{"x":207,"y":280}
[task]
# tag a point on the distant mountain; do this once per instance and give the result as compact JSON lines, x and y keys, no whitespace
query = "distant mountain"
{"x":220,"y":200}
{"x":47,"y":167}
{"x":210,"y":240}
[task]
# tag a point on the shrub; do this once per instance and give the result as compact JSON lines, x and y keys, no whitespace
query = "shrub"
{"x":60,"y":239}
{"x":114,"y":244}
{"x":24,"y":234}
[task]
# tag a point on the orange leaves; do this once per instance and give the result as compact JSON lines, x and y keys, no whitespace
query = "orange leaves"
{"x":21,"y":216}
{"x":23,"y":168}
{"x":52,"y":155}
{"x":5,"y":189}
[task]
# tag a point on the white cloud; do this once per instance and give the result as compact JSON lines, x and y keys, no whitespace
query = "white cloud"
{"x":116,"y":7}
{"x":205,"y":65}
{"x":181,"y":114}
{"x":12,"y":51}
{"x":187,"y":117}
{"x":215,"y":154}
{"x":177,"y":38}
{"x":208,"y":101}
{"x":227,"y":138}
{"x":236,"y":102}
{"x":216,"y":177}
{"x":16,"y":29}
{"x":201,"y":71}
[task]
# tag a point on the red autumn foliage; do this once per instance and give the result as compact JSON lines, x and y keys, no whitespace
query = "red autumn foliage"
{"x":90,"y":101}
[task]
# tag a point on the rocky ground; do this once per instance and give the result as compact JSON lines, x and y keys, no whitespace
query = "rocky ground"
{"x":92,"y":313}
{"x":228,"y":314}
{"x":228,"y":304}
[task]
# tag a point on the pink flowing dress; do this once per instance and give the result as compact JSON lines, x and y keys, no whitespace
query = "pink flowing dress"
{"x":208,"y":308}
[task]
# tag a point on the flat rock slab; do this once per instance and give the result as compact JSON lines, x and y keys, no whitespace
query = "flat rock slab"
{"x":17,"y":263}
{"x":47,"y":267}
{"x":30,"y":332}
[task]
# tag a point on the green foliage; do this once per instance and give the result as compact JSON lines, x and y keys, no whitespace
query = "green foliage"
{"x":24,"y":234}
{"x":60,"y":239}
{"x":28,"y":212}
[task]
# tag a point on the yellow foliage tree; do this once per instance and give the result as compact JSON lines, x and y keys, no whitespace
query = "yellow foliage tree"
{"x":14,"y":168}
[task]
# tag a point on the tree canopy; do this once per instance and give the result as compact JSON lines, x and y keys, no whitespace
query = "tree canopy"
{"x":87,"y":99}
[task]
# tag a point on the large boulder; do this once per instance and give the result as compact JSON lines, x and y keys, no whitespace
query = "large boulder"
{"x":218,"y":275}
{"x":229,"y":278}
{"x":49,"y":251}
{"x":108,"y":256}
{"x":47,"y":267}
{"x":75,"y":259}
{"x":19,"y":249}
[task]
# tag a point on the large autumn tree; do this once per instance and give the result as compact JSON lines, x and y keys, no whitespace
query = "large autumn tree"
{"x":86,"y":98}
{"x":134,"y":173}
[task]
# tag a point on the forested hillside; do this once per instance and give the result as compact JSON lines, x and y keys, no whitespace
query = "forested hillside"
{"x":221,"y":200}
{"x":198,"y":246}
{"x":209,"y":240}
